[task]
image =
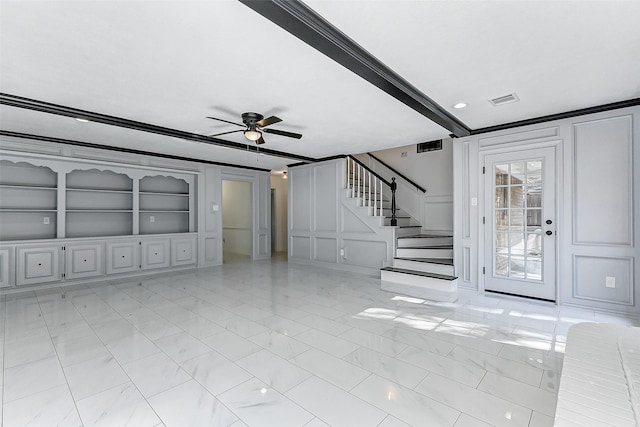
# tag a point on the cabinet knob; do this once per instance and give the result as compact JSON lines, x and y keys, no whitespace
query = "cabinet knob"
{"x":85,"y":260}
{"x":122,"y":256}
{"x":156,"y":253}
{"x":39,"y":264}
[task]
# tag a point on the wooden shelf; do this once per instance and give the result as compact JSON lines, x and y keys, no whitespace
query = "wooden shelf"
{"x":27,"y":187}
{"x":98,"y":190}
{"x":162,"y":211}
{"x":154,"y":193}
{"x":28,"y":210}
{"x":98,"y":210}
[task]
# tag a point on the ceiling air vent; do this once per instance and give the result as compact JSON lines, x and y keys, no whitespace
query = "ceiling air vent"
{"x":429,"y":146}
{"x":506,"y":99}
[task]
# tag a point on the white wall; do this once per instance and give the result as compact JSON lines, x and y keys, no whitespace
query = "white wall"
{"x":431,"y":170}
{"x":323,"y":222}
{"x":598,"y":208}
{"x":280,"y":185}
{"x":236,"y":217}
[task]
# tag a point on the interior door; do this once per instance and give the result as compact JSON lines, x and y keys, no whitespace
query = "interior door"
{"x":520,"y":223}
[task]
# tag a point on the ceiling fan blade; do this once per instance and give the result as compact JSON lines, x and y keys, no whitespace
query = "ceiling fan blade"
{"x":283,"y":133}
{"x":226,"y":121}
{"x":268,"y":121}
{"x":224,"y":133}
{"x":260,"y":141}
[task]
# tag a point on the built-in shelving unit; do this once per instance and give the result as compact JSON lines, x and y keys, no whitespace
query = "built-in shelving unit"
{"x":28,"y":201}
{"x":164,"y":205}
{"x":98,"y":203}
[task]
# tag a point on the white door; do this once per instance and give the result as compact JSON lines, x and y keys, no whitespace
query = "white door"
{"x":520,"y":223}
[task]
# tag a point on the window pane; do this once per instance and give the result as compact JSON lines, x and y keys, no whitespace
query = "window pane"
{"x":534,"y":244}
{"x":517,"y":217}
{"x":517,"y":267}
{"x":502,"y":242}
{"x":534,"y":218}
{"x":502,"y":218}
{"x":517,"y":197}
{"x":534,"y":171}
{"x":502,"y":197}
{"x":516,"y":243}
{"x":517,"y":173}
{"x":534,"y":269}
{"x":534,"y":197}
{"x":502,"y":265}
{"x":502,"y":174}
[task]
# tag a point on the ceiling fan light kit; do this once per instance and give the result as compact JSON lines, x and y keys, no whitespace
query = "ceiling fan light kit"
{"x":255,"y":124}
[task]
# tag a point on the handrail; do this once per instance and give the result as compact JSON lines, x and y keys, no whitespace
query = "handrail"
{"x":398,"y":173}
{"x":369,"y":170}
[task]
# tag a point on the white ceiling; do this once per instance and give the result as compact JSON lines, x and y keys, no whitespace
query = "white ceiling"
{"x":172,"y":63}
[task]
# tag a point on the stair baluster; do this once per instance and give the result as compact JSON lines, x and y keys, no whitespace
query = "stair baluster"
{"x":369,"y":201}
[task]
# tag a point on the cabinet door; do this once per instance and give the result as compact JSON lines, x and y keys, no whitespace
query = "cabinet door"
{"x":183,"y":251}
{"x":38,"y":264}
{"x":6,"y":262}
{"x":155,"y":254}
{"x":123,"y":256}
{"x":83,"y":260}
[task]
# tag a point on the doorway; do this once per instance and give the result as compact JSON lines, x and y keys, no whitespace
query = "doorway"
{"x":237,"y":230}
{"x":520,"y":223}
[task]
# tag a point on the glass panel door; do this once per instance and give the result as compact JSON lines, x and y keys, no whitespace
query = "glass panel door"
{"x":519,"y":225}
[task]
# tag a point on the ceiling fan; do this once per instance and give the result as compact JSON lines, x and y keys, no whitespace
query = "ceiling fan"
{"x":254,"y":125}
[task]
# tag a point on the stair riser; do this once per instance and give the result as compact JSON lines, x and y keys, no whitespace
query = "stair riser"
{"x":424,"y":253}
{"x":427,"y":267}
{"x":419,"y":292}
{"x":401,"y":221}
{"x":409,"y":232}
{"x":424,"y":241}
{"x":420,"y":281}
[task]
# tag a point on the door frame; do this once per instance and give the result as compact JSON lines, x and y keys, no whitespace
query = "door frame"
{"x":253,"y":199}
{"x":514,"y":148}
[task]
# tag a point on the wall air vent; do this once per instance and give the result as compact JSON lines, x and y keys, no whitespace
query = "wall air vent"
{"x":429,"y":146}
{"x":505,"y":99}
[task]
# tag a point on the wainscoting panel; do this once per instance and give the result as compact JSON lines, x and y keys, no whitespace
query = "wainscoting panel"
{"x":300,"y":247}
{"x":438,"y":213}
{"x":603,"y":186}
{"x":299,"y":197}
{"x":590,"y":278}
{"x":326,"y":249}
{"x":365,"y":253}
{"x":325,"y":200}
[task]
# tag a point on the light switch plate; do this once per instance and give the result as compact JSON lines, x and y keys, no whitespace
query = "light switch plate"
{"x":152,"y":218}
{"x":474,"y":201}
{"x":46,"y":220}
{"x":610,"y":282}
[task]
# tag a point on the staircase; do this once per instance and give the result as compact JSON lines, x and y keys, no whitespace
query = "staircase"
{"x":423,"y":263}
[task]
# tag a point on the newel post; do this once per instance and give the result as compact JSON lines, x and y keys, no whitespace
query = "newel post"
{"x":394,"y":220}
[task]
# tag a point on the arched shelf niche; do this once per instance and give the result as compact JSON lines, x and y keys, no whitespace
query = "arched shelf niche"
{"x":28,"y":201}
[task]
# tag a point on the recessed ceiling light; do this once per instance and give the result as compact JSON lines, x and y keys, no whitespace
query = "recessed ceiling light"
{"x":460,"y":105}
{"x":82,"y":120}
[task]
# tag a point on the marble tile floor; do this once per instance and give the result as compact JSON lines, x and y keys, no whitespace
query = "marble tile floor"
{"x":272,"y":344}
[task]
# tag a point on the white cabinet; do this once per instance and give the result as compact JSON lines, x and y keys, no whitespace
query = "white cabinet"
{"x":84,"y":260}
{"x":183,"y":251}
{"x":155,"y":253}
{"x":6,"y":272}
{"x":123,"y":256}
{"x":38,"y":264}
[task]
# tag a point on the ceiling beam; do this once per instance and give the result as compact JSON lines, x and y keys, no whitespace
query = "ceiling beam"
{"x":61,"y":110}
{"x":304,"y":23}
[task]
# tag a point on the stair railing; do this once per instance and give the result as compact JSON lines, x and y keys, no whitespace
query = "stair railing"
{"x":366,"y":185}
